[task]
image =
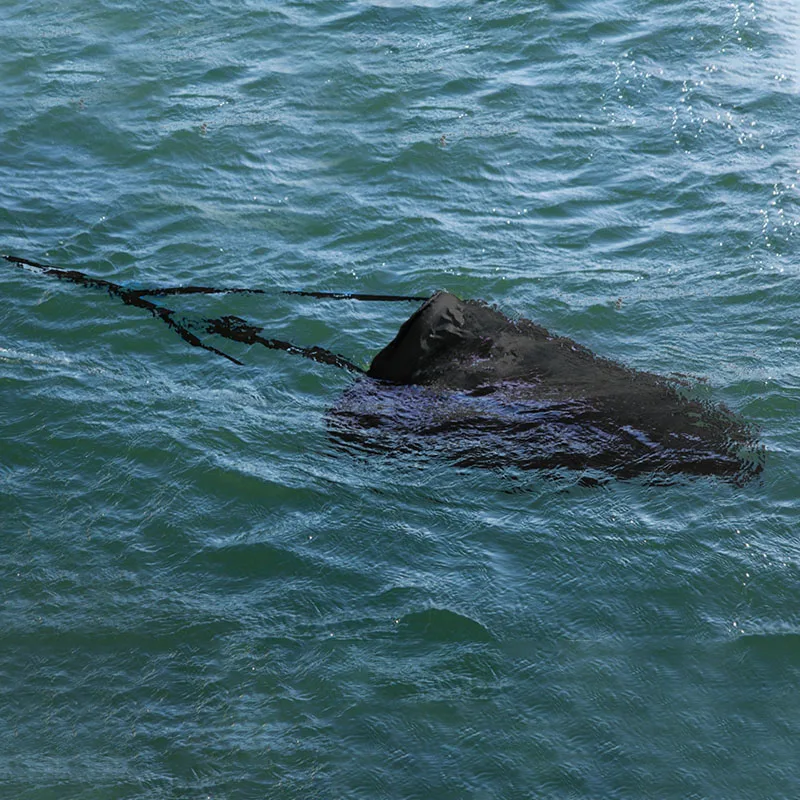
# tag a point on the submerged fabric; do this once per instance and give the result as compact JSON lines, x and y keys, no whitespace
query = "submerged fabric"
{"x":505,"y":390}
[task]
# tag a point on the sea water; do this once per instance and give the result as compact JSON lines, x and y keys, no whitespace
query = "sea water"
{"x":202,"y":595}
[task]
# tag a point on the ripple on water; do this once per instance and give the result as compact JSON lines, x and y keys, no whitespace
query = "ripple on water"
{"x":203,"y":595}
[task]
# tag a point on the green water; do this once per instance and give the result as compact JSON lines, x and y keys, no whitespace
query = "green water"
{"x":203,"y":596}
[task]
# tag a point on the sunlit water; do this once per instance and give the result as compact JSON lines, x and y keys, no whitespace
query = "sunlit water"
{"x":202,"y":595}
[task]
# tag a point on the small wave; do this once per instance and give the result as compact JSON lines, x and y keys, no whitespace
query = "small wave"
{"x":771,"y":645}
{"x":443,"y":625}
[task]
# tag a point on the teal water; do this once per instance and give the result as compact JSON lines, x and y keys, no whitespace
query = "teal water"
{"x":202,"y":596}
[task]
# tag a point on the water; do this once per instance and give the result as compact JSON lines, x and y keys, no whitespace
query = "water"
{"x":202,"y":596}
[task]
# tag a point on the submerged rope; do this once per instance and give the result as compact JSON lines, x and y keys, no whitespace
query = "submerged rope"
{"x":229,"y":327}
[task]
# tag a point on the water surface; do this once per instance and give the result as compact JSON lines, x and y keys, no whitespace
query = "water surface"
{"x":202,"y":596}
